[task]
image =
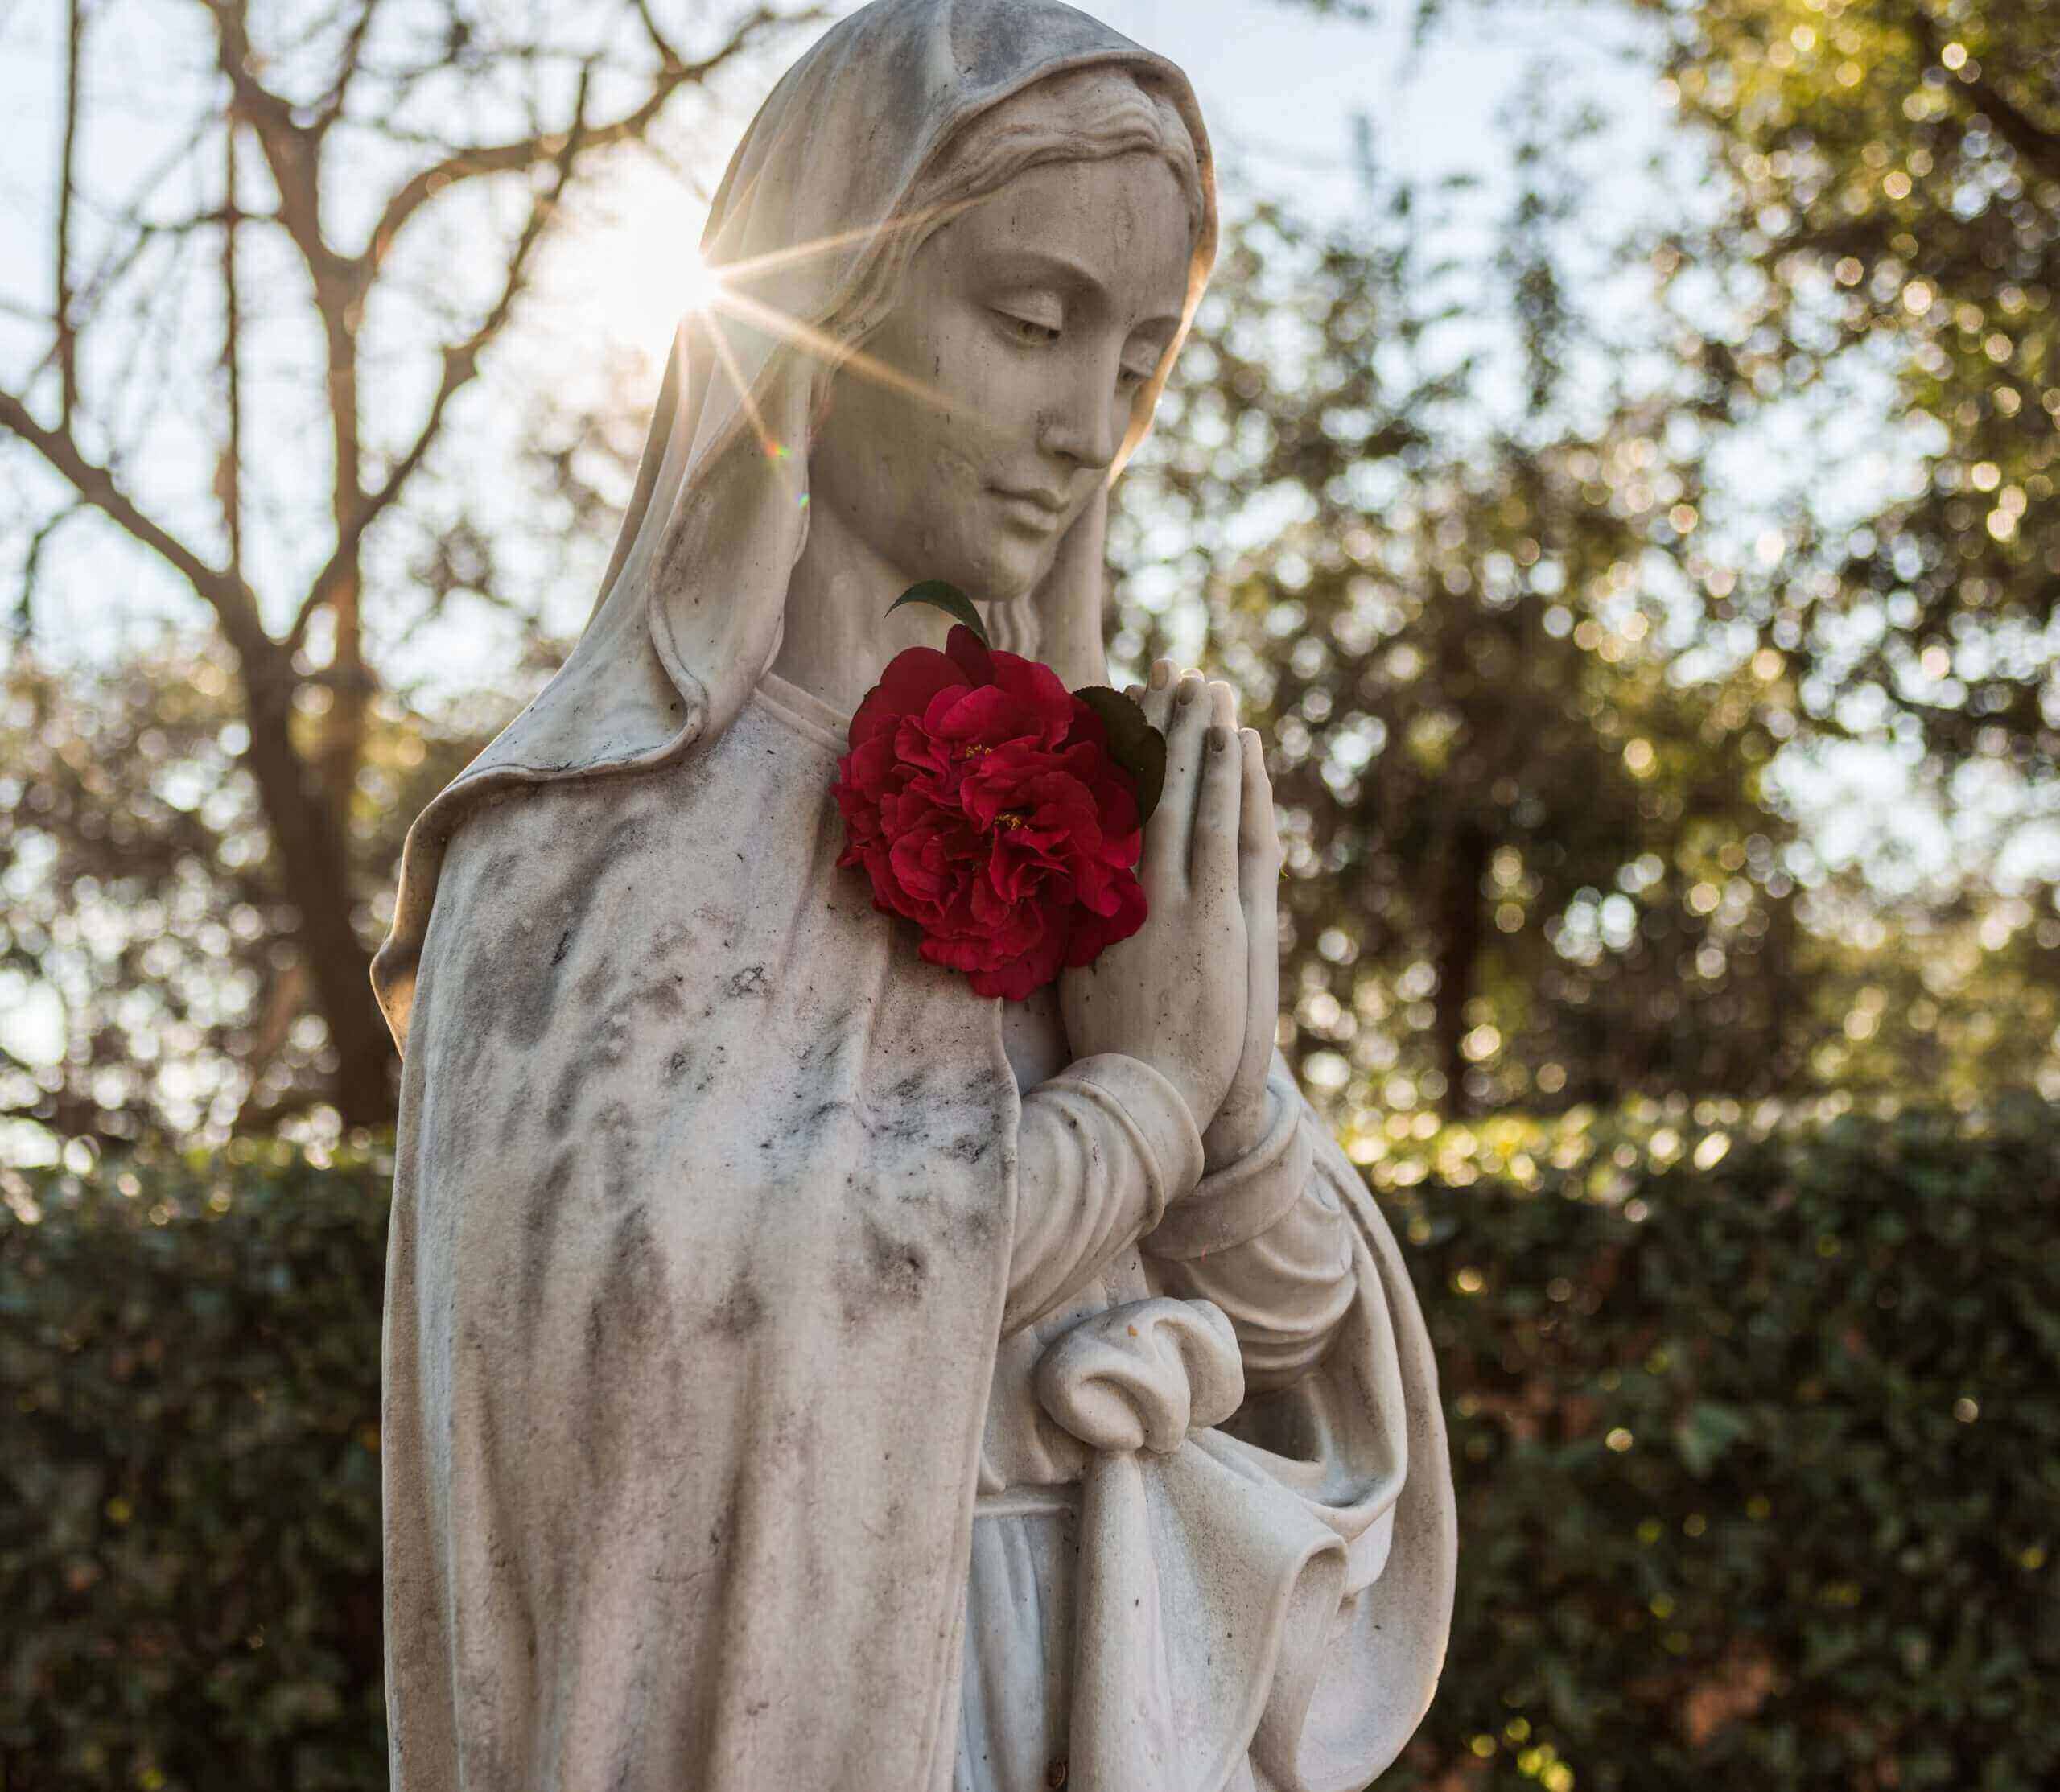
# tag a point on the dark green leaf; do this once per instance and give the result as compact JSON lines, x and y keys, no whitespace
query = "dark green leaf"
{"x":1134,"y":744}
{"x":948,"y":598}
{"x":1709,"y":1430}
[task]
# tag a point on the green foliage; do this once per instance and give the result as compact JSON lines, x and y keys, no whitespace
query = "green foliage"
{"x":1893,"y":171}
{"x":942,"y":594}
{"x":189,"y":1530}
{"x":1531,"y":860}
{"x":1758,"y":1445}
{"x":1754,"y":1418}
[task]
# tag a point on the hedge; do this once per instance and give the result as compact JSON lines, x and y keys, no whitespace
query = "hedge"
{"x":189,"y":1527}
{"x":1758,"y":1441}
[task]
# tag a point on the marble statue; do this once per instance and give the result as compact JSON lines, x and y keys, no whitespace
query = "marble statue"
{"x":802,"y":1372}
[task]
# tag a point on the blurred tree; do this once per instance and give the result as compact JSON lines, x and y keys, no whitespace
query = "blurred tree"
{"x":187,"y":357}
{"x":1530,"y":858}
{"x":1884,"y":224}
{"x":1956,"y":1000}
{"x":1894,"y":179}
{"x":1893,"y":182}
{"x":1892,"y":195}
{"x":148,"y":927}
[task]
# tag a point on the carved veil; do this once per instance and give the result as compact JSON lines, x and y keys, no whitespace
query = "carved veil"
{"x":836,"y":181}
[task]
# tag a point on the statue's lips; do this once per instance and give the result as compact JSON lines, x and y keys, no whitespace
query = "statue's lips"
{"x":1042,"y":511}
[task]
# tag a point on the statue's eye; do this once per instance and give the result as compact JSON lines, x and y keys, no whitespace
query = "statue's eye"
{"x":1030,"y":331}
{"x":1129,"y":375}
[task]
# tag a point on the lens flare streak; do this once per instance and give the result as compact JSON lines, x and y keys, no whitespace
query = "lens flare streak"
{"x":713,"y":293}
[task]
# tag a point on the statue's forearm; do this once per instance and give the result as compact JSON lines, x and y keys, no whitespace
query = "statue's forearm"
{"x":1266,"y":1238}
{"x":1102,"y":1148}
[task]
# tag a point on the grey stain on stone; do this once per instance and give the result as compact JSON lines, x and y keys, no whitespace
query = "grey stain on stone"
{"x":523,"y":979}
{"x":750,"y":981}
{"x":741,"y":1309}
{"x":540,"y":1224}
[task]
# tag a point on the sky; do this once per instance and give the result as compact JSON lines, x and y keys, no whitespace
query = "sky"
{"x":1281,"y":88}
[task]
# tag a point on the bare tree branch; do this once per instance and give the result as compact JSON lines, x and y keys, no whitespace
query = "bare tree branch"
{"x":229,"y":479}
{"x":673,"y":74}
{"x":174,"y":159}
{"x":329,"y":108}
{"x":461,"y":362}
{"x":228,"y":597}
{"x":156,"y":334}
{"x":67,"y":344}
{"x":32,"y":562}
{"x":290,"y":149}
{"x":142,"y":234}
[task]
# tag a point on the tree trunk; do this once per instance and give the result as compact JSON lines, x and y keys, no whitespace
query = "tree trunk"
{"x":307,"y":830}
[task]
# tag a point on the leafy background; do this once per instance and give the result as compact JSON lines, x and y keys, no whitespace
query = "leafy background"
{"x":1753,"y":1428}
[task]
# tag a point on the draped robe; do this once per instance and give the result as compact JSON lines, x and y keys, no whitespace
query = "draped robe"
{"x":706,"y":1227}
{"x":747,"y":1272}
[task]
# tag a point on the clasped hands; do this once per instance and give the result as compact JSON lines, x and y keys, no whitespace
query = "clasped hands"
{"x":1195,"y":992}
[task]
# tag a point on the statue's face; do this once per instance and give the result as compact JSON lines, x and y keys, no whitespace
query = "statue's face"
{"x":1034,"y":319}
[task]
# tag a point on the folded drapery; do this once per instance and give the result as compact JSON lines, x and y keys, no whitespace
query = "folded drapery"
{"x":1242,"y":1615}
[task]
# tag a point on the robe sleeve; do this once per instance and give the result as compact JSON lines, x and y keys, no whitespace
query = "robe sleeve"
{"x":1268,"y":1241}
{"x":1102,"y":1149}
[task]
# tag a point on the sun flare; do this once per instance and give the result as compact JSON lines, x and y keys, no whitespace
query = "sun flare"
{"x":641,"y":274}
{"x":700,"y":287}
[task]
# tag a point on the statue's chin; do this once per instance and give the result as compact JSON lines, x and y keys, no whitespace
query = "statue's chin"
{"x":1010,"y":582}
{"x":995,"y":570}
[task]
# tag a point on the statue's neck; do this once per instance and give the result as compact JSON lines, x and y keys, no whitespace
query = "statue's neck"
{"x":837,"y":635}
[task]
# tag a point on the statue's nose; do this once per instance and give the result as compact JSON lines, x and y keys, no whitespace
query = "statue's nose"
{"x":1081,"y":422}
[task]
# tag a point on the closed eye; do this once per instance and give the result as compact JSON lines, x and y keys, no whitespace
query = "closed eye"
{"x":1028,"y":331}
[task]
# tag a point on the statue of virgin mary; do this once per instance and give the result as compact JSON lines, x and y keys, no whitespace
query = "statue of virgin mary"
{"x":800,"y":1370}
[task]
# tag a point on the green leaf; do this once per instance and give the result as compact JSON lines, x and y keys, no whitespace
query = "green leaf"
{"x":948,"y":598}
{"x":1709,"y":1430}
{"x":1134,"y":744}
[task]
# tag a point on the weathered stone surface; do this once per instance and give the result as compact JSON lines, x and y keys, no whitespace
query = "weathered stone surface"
{"x":801,"y":1371}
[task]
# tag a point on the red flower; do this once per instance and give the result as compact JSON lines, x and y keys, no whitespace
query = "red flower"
{"x":980,"y":798}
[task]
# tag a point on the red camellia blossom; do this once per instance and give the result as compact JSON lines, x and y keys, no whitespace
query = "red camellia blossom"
{"x":980,"y":798}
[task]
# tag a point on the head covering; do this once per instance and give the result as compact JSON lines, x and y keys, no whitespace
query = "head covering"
{"x":832,"y":175}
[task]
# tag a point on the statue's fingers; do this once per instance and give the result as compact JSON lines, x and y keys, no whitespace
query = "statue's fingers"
{"x":1259,"y":890}
{"x":1213,"y":856}
{"x":1171,"y":826}
{"x":1222,"y":705}
{"x":1158,"y":695}
{"x":1258,"y":836}
{"x":1212,"y":847}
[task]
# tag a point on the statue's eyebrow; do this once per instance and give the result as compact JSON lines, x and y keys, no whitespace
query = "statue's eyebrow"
{"x":1028,"y":258}
{"x":1031,"y":259}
